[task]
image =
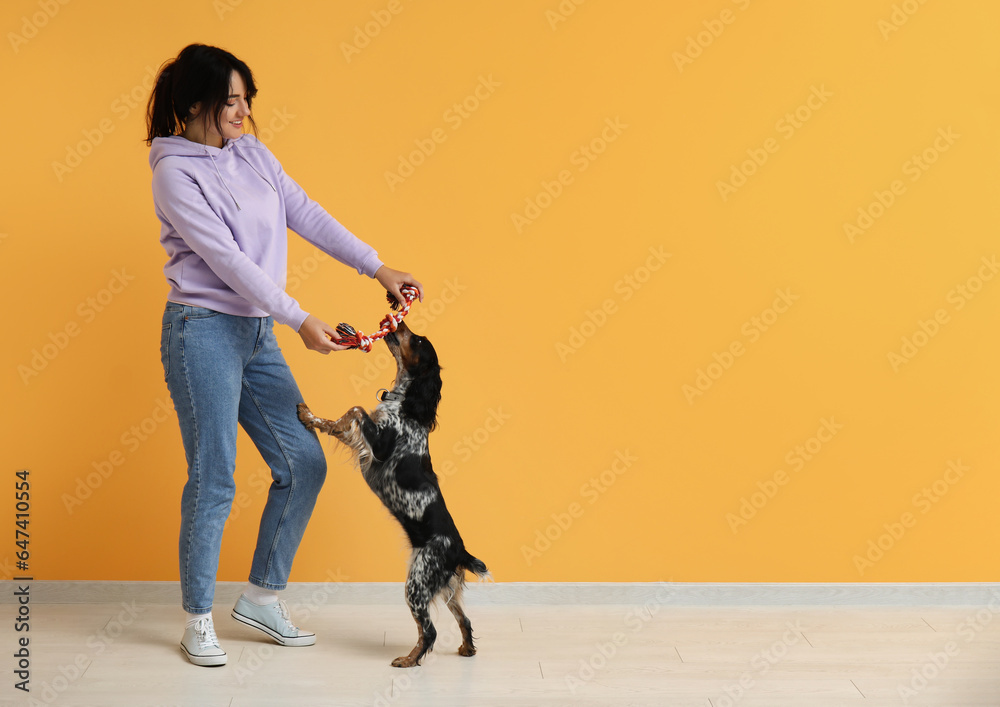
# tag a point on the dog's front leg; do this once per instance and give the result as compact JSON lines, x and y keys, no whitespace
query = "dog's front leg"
{"x":337,"y":428}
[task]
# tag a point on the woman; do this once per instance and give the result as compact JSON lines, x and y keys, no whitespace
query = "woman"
{"x":225,"y":203}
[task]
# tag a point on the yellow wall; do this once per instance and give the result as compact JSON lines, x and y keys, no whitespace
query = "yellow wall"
{"x":675,"y":254}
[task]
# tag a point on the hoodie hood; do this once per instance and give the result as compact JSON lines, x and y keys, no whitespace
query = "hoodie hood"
{"x":178,"y":146}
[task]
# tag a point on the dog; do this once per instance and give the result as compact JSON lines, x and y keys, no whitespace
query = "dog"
{"x":390,"y":448}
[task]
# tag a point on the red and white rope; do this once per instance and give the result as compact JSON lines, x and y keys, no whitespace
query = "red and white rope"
{"x":356,"y":339}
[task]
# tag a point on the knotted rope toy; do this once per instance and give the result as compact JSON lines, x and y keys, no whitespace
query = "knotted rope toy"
{"x":355,"y":339}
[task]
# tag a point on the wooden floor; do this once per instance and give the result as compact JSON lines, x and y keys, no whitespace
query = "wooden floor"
{"x":127,"y":654}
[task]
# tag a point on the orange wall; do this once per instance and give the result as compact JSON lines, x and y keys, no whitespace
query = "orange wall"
{"x":714,"y":283}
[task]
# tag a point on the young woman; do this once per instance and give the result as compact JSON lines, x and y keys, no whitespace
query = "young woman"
{"x":225,"y":204}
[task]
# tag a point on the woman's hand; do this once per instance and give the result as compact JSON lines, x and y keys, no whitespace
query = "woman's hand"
{"x":393,"y":281}
{"x":316,"y":336}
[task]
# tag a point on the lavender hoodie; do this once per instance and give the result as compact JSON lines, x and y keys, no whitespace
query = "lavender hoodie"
{"x":224,"y":214}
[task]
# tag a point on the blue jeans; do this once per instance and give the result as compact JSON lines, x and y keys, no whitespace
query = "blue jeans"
{"x":222,"y":370}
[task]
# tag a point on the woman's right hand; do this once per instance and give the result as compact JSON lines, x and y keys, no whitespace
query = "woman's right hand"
{"x":316,"y":335}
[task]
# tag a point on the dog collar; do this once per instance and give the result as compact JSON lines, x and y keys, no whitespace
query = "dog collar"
{"x":388,"y":396}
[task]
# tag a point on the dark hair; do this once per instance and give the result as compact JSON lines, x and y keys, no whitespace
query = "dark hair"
{"x":200,"y":73}
{"x":424,"y":394}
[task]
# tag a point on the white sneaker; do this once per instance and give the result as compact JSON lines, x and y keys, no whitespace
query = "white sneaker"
{"x":200,"y":644}
{"x":273,"y":620}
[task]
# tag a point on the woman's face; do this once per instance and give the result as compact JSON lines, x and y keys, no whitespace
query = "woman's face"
{"x":236,"y":109}
{"x":233,"y":113}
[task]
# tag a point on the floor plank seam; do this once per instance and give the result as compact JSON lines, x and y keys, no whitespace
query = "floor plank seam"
{"x":859,"y":690}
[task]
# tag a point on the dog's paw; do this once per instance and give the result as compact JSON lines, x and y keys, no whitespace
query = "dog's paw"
{"x":467,"y":651}
{"x":404,"y":661}
{"x":305,"y":416}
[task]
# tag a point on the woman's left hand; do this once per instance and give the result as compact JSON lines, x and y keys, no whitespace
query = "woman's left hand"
{"x":393,"y":281}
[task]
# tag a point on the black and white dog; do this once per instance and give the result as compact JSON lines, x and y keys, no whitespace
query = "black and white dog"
{"x":390,"y":447}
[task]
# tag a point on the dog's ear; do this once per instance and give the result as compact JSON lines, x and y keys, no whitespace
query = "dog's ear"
{"x":424,"y":393}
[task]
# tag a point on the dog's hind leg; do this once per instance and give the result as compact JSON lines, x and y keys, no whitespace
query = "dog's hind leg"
{"x":428,"y":575}
{"x":455,"y":606}
{"x":418,"y":597}
{"x":426,"y":635}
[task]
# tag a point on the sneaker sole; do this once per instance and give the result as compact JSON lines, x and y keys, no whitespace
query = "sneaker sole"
{"x":278,"y":638}
{"x":208,"y":661}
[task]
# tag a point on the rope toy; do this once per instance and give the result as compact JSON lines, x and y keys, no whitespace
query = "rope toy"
{"x":355,"y":339}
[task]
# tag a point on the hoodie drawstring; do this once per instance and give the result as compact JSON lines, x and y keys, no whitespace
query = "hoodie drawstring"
{"x":240,"y":153}
{"x":255,"y":169}
{"x":224,"y":182}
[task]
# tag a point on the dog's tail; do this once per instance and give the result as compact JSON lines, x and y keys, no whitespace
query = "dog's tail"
{"x":473,"y":564}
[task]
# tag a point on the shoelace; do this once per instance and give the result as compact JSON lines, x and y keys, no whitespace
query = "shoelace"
{"x":283,"y":610}
{"x":205,"y":632}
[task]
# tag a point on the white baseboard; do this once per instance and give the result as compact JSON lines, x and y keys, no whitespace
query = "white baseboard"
{"x":552,"y":593}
